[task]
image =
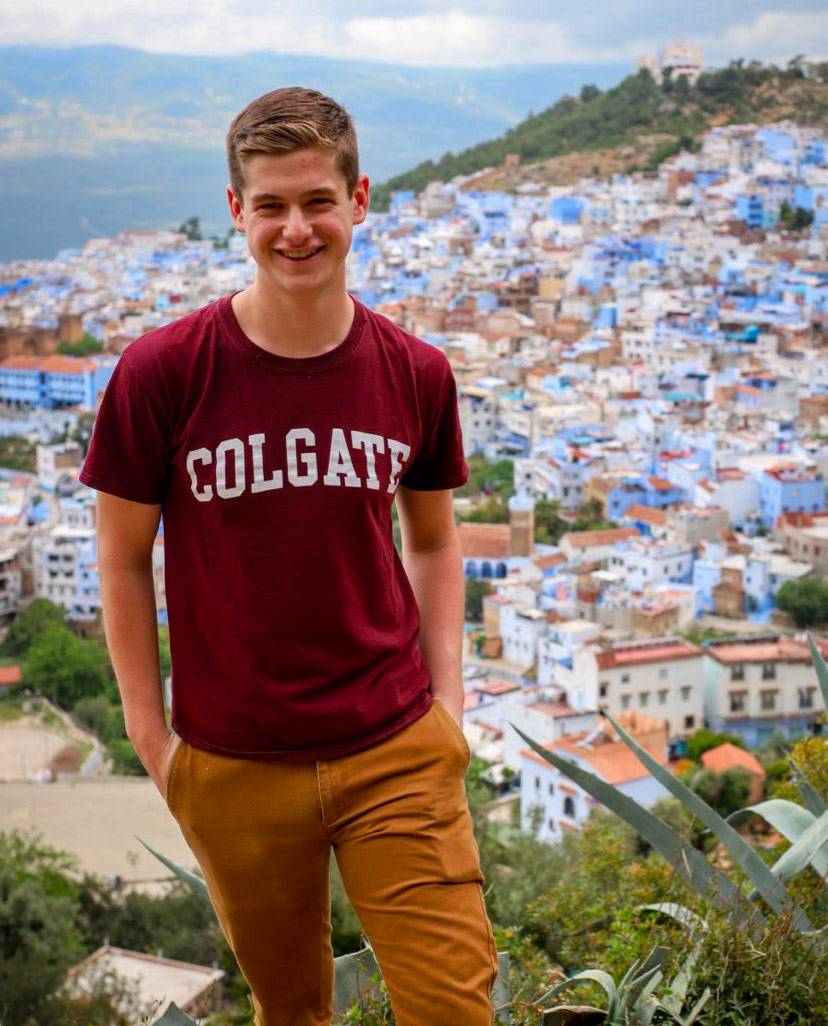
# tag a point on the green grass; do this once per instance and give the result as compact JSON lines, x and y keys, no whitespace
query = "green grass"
{"x":9,"y":710}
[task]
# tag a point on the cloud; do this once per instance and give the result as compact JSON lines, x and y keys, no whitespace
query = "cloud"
{"x":421,"y":32}
{"x":776,"y":36}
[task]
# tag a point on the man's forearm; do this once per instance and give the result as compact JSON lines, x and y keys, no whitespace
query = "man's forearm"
{"x":131,"y":626}
{"x":436,"y":577}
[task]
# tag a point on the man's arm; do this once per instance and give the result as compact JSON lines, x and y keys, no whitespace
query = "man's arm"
{"x":126,"y":534}
{"x":432,"y":561}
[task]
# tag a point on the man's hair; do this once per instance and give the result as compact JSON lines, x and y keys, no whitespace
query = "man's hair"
{"x":290,"y":119}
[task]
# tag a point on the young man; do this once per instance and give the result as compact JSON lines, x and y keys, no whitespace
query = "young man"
{"x":317,"y":692}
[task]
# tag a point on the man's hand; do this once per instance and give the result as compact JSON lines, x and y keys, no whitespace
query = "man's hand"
{"x":453,"y":706}
{"x":156,"y":753}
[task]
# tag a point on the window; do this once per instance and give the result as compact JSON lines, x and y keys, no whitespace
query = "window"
{"x":806,"y":698}
{"x":551,"y":823}
{"x":662,"y":696}
{"x":737,"y":701}
{"x":551,"y":788}
{"x":685,"y":694}
{"x":625,"y":678}
{"x":768,"y":701}
{"x":537,"y":783}
{"x":625,"y":701}
{"x":689,"y":722}
{"x":737,"y":672}
{"x":569,"y":807}
{"x":662,"y":673}
{"x":768,"y":671}
{"x":643,"y":698}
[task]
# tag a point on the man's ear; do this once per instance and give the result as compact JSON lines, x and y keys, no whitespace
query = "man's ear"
{"x":361,"y":199}
{"x":236,"y":209}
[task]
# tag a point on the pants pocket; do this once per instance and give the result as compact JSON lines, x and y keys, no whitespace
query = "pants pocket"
{"x":170,"y":787}
{"x":459,"y":736}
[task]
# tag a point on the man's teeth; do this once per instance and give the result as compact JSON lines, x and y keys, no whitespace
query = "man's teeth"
{"x":301,"y":254}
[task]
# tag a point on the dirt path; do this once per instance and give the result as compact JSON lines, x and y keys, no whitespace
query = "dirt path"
{"x":98,"y":820}
{"x":28,"y":743}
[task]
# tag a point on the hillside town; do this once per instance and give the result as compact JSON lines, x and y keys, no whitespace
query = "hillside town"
{"x":650,"y":347}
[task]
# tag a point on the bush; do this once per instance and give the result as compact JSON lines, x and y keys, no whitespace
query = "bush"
{"x":703,"y":740}
{"x":775,"y":979}
{"x":806,"y":600}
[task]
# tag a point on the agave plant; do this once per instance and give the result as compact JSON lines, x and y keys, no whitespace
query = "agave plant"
{"x":806,"y":828}
{"x":631,"y":1002}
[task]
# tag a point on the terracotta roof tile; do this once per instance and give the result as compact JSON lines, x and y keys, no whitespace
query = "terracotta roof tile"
{"x":490,"y":541}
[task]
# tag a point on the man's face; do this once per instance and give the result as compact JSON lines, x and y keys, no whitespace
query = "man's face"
{"x":299,"y":219}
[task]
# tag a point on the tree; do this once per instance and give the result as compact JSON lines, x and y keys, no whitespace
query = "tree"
{"x":810,"y":754}
{"x":94,"y":712}
{"x":38,"y":936}
{"x":27,"y":627}
{"x":88,"y":344}
{"x":191,"y":228}
{"x":725,"y":792}
{"x":492,"y":511}
{"x":806,"y":600}
{"x":38,"y":943}
{"x":66,"y":668}
{"x":703,"y":740}
{"x":476,"y":589}
{"x":794,"y":219}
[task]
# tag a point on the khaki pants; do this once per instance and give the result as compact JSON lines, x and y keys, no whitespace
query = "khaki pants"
{"x":397,"y":818}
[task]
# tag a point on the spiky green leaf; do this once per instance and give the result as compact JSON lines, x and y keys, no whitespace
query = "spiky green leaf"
{"x":502,"y":992}
{"x":820,"y":667}
{"x":768,"y":886}
{"x":173,"y":1016}
{"x":684,"y":916}
{"x":354,"y":975}
{"x":598,"y":976}
{"x":790,"y":820}
{"x":709,"y":881}
{"x":802,"y":851}
{"x":193,"y":881}
{"x":696,"y":1009}
{"x":810,"y":796}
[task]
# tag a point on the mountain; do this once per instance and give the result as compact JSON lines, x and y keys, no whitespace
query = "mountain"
{"x":101,"y":138}
{"x":640,"y":120}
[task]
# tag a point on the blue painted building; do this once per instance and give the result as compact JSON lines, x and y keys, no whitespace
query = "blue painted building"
{"x":53,"y":382}
{"x":788,"y":490}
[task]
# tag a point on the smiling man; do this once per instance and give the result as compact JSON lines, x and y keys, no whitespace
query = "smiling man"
{"x":316,"y":687}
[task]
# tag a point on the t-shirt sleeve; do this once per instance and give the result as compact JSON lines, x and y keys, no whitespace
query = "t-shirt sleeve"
{"x":129,"y":453}
{"x":439,"y":463}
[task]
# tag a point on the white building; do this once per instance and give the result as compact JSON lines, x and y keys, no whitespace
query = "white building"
{"x":560,"y":644}
{"x":645,"y":561}
{"x":559,"y":804}
{"x":57,"y":461}
{"x":543,"y":716}
{"x":478,"y":418}
{"x":755,"y":687}
{"x":660,"y":677}
{"x":521,"y":628}
{"x":59,"y":557}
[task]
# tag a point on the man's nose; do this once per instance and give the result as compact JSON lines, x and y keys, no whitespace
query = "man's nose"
{"x":296,"y":226}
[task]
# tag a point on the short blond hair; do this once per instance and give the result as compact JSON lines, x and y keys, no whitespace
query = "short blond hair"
{"x":289,"y":119}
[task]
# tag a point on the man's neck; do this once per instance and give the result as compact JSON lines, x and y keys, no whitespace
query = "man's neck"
{"x":293,"y":326}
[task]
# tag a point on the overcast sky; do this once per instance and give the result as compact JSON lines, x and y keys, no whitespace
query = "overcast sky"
{"x":488,"y":32}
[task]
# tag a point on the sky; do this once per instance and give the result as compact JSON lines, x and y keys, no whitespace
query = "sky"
{"x":430,"y":32}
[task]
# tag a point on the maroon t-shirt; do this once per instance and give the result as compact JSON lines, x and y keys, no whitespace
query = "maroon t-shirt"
{"x":293,"y":626}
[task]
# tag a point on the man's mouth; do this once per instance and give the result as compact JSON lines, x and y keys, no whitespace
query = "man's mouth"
{"x":299,"y":254}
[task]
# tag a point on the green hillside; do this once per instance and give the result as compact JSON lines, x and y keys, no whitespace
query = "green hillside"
{"x":640,"y":106}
